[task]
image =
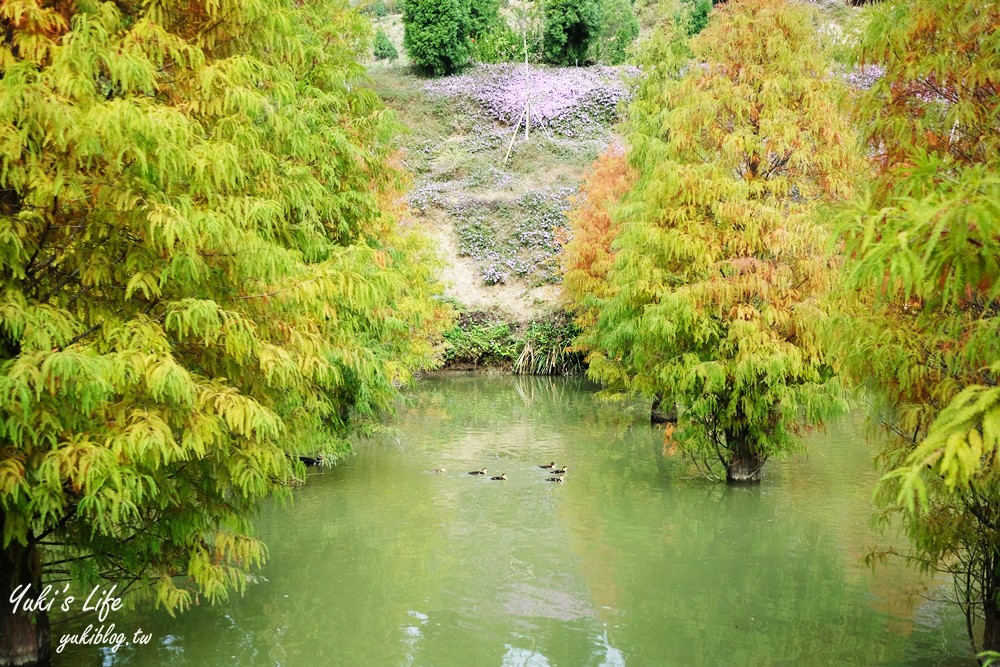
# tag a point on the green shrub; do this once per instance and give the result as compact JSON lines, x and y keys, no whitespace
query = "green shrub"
{"x":619,"y":29}
{"x":548,"y":348}
{"x":436,"y":35}
{"x":499,"y":45}
{"x":696,"y":14}
{"x":481,"y":340}
{"x":506,"y":40}
{"x":384,"y":48}
{"x":544,"y":347}
{"x":484,"y":16}
{"x":375,"y":8}
{"x":570,"y":27}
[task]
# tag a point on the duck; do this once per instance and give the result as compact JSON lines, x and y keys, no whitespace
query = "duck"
{"x":560,"y":471}
{"x":550,"y":466}
{"x":555,"y":479}
{"x":439,"y":470}
{"x":501,"y":478}
{"x":478,"y":472}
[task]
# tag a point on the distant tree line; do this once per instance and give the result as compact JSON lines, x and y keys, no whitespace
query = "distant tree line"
{"x":443,"y":36}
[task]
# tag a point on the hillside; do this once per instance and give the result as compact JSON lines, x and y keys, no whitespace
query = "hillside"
{"x":497,"y":222}
{"x":493,"y":197}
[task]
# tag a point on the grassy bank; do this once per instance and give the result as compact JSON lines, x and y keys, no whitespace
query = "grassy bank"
{"x":542,"y":346}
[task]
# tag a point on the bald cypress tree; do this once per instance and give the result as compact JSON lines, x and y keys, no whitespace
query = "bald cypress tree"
{"x":720,"y":259}
{"x":200,"y":278}
{"x":921,"y":317}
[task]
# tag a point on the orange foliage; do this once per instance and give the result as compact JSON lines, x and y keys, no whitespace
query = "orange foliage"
{"x":669,"y":444}
{"x":587,"y":258}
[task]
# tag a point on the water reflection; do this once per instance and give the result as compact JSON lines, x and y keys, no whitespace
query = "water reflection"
{"x":381,"y":562}
{"x":522,"y":657}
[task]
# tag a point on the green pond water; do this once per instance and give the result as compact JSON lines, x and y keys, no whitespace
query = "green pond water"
{"x":629,"y":562}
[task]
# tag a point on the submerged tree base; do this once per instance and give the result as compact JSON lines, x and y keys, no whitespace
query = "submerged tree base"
{"x":23,"y":642}
{"x":991,"y":621}
{"x":743,"y":477}
{"x":24,"y":637}
{"x":744,"y":468}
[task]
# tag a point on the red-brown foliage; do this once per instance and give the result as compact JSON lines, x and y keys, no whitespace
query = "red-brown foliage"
{"x":588,"y":257}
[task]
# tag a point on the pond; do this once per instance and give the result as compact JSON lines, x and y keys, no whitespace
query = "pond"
{"x":629,"y":562}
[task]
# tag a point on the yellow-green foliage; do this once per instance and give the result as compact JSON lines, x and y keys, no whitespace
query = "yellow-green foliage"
{"x":200,"y":275}
{"x":921,"y":318}
{"x":925,"y":237}
{"x":720,"y":259}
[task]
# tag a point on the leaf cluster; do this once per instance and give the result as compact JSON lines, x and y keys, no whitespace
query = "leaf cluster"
{"x":587,"y":257}
{"x":922,"y":287}
{"x":619,"y":29}
{"x":484,"y":16}
{"x":923,"y":241}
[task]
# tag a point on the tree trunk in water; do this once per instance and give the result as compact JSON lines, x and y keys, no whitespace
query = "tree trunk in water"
{"x":658,"y":416}
{"x":991,"y":611}
{"x":991,"y":633}
{"x":744,"y":466}
{"x":24,"y":636}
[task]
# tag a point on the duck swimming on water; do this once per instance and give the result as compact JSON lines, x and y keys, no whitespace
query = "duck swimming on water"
{"x":555,"y":479}
{"x":550,"y":466}
{"x":501,"y":478}
{"x":561,"y":471}
{"x":478,"y":472}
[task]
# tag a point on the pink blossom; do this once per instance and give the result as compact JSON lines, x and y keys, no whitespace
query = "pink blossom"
{"x":570,"y":100}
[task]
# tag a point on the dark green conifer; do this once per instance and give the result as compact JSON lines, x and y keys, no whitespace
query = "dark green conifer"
{"x":570,"y":27}
{"x":436,"y":35}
